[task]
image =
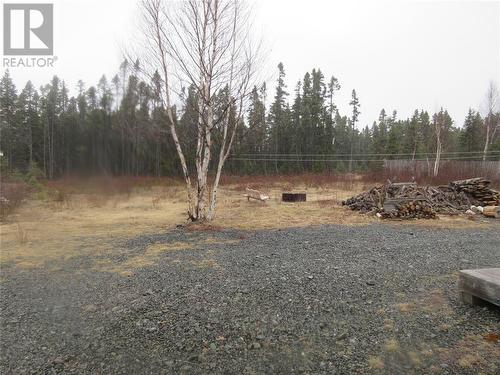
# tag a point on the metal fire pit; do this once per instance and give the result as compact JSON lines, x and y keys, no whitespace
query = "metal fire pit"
{"x":293,"y":197}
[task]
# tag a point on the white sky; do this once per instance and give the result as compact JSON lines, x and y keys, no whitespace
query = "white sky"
{"x":398,"y":55}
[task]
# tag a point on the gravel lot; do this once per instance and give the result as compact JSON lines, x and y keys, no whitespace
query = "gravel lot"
{"x":320,"y":300}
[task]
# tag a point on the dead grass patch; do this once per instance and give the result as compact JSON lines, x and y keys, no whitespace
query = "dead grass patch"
{"x":435,"y":302}
{"x":376,"y":363}
{"x":154,"y":251}
{"x":405,"y":307}
{"x":414,"y":358}
{"x":203,"y":227}
{"x":473,"y":351}
{"x":388,"y":324}
{"x":29,"y":264}
{"x":21,"y":235}
{"x":432,"y":302}
{"x":321,"y":207}
{"x":391,"y":345}
{"x":159,"y":248}
{"x":204,"y":263}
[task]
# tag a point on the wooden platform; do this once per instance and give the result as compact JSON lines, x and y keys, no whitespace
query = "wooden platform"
{"x":480,"y":285}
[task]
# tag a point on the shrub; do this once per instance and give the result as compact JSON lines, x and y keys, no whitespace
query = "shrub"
{"x":11,"y":197}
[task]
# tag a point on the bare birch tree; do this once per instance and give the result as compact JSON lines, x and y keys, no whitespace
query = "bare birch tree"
{"x":490,"y":121}
{"x":438,"y":126}
{"x":206,"y":44}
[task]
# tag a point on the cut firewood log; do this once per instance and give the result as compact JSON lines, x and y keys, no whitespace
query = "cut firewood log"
{"x":491,"y":211}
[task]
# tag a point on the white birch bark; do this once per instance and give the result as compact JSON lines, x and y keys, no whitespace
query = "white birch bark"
{"x":438,"y":145}
{"x":207,"y":43}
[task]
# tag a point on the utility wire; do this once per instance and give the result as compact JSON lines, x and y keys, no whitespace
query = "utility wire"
{"x":464,"y":158}
{"x":378,"y":154}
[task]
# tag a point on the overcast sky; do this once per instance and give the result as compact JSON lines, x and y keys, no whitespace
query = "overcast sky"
{"x":398,"y":55}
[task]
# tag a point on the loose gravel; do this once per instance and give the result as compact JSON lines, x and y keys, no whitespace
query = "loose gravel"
{"x":319,"y":300}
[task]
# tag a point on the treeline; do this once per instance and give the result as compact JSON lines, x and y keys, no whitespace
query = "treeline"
{"x":120,"y":127}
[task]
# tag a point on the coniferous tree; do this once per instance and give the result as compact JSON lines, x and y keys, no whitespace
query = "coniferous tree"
{"x":353,"y":120}
{"x":28,"y":124}
{"x":8,"y":126}
{"x":412,"y":135}
{"x":121,"y":128}
{"x":278,"y":116}
{"x":256,"y":132}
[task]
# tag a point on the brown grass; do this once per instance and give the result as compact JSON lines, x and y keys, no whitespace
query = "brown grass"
{"x":22,"y":235}
{"x":57,"y":233}
{"x":82,"y":219}
{"x":472,"y":352}
{"x":391,"y":345}
{"x":322,"y":207}
{"x":404,"y":307}
{"x":143,"y":260}
{"x":376,"y":363}
{"x":414,"y":358}
{"x":346,"y":181}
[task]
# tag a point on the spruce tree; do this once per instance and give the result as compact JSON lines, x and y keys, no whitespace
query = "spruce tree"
{"x":353,"y":120}
{"x":8,"y":126}
{"x":278,"y":116}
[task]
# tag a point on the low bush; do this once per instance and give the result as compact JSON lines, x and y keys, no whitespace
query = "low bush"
{"x":12,"y":194}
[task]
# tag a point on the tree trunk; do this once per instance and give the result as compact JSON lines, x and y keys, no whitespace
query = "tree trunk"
{"x":31,"y":145}
{"x":185,"y":172}
{"x":220,"y":164}
{"x":438,"y":157}
{"x":487,"y":140}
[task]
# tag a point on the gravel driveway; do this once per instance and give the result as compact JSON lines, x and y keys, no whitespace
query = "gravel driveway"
{"x":321,"y":300}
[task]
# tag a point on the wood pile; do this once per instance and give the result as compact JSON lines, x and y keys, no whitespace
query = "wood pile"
{"x":368,"y":200}
{"x":478,"y":188}
{"x":410,"y":210}
{"x":408,"y":200}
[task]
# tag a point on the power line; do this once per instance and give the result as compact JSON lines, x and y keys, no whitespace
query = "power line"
{"x":464,"y":158}
{"x":377,"y":154}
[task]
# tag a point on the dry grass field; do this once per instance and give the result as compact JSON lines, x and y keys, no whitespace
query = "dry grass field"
{"x":84,"y":218}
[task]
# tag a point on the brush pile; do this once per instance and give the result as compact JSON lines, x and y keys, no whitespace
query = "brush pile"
{"x":408,"y":200}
